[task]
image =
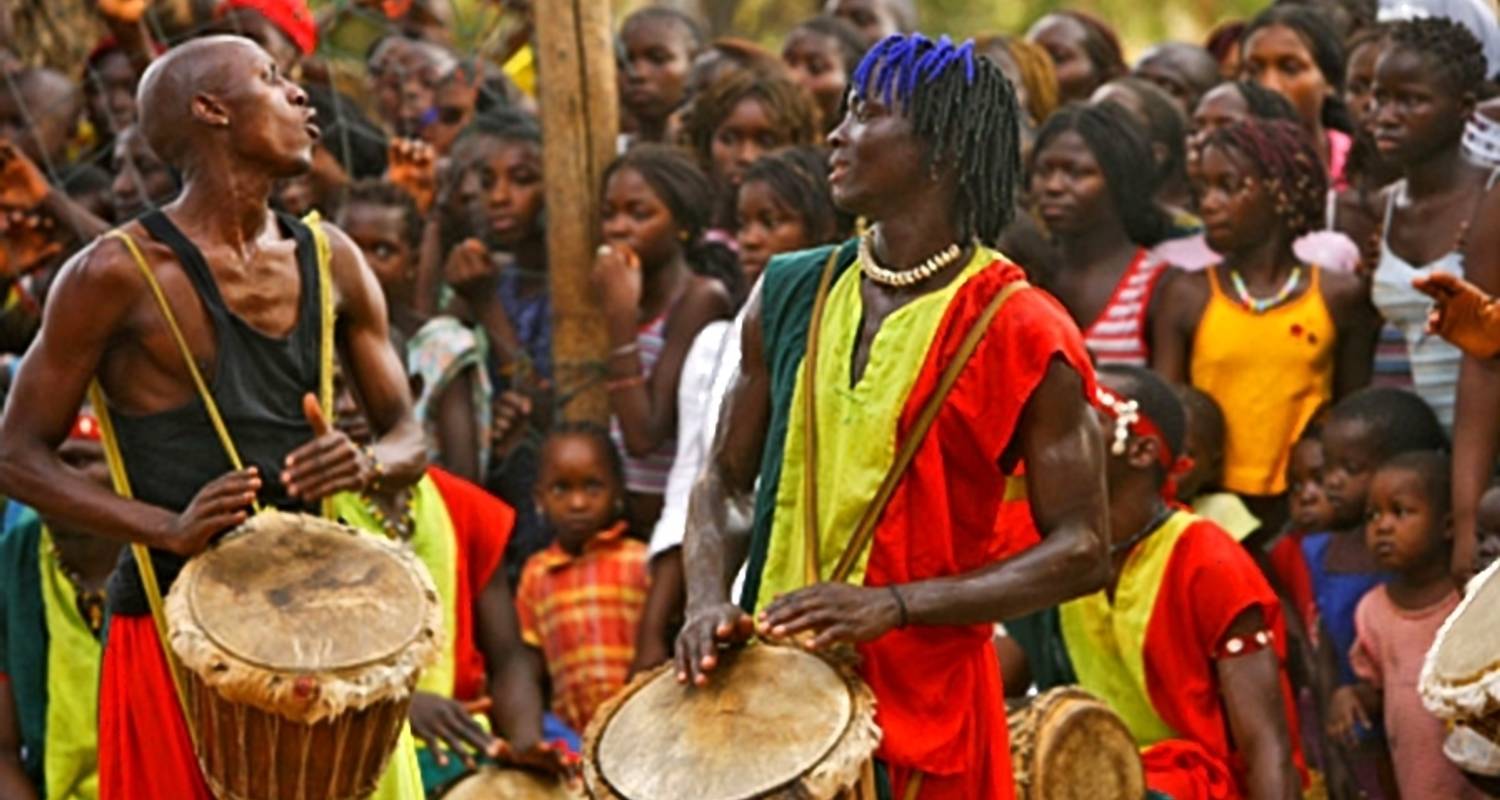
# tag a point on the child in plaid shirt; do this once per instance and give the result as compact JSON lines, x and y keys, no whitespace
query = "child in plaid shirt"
{"x":580,"y":600}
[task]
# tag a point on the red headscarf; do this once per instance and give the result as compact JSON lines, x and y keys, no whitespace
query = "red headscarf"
{"x":291,"y":17}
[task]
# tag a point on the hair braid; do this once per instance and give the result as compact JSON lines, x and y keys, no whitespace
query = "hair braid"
{"x":1448,"y":46}
{"x":1282,"y":154}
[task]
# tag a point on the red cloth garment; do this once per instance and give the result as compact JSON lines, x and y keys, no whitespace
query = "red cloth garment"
{"x":482,"y":525}
{"x":939,"y":698}
{"x":291,"y":17}
{"x":1183,"y":770}
{"x":1290,"y":568}
{"x":1209,"y":582}
{"x":145,"y":751}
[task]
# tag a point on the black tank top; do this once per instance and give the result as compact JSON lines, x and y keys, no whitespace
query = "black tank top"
{"x":258,"y":382}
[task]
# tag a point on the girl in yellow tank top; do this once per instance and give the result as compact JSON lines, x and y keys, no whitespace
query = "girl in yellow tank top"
{"x":1270,"y":339}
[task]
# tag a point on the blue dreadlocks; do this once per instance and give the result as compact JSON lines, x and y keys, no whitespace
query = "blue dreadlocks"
{"x":966,"y":111}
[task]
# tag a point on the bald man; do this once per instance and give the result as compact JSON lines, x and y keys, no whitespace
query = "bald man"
{"x":39,"y":109}
{"x":1184,"y":71}
{"x":243,"y":283}
{"x":875,"y":19}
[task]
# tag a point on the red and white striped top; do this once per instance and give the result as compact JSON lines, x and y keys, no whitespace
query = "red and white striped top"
{"x":1118,"y":336}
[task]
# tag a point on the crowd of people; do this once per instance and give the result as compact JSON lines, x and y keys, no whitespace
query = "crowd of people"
{"x":1273,"y":254}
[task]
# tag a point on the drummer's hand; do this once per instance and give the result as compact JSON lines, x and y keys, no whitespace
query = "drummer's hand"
{"x":1346,"y":716}
{"x":701,"y":635}
{"x":547,"y":757}
{"x":219,"y":506}
{"x":329,"y":464}
{"x":838,"y":612}
{"x":439,"y":721}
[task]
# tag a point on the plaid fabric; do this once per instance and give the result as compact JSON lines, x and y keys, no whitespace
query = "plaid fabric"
{"x":582,"y":613}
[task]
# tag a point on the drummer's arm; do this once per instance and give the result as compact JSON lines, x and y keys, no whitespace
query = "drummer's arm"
{"x":723,"y":498}
{"x":13,"y":781}
{"x":1059,"y":439}
{"x":372,"y":365}
{"x":515,"y":671}
{"x":1251,"y":689}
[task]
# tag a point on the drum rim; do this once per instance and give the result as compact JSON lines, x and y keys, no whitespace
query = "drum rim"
{"x":1457,"y":699}
{"x":189,"y":581}
{"x":595,"y":779}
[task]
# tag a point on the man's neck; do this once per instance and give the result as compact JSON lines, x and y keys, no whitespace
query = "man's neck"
{"x":905,"y":241}
{"x":228,"y":205}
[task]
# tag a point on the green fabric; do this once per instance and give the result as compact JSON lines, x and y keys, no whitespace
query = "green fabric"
{"x":1040,"y":636}
{"x":23,"y":636}
{"x":434,"y":543}
{"x":73,"y":660}
{"x":857,"y":426}
{"x":788,"y":288}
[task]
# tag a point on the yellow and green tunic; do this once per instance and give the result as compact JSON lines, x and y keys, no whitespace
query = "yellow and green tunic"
{"x":943,"y":518}
{"x":49,"y":662}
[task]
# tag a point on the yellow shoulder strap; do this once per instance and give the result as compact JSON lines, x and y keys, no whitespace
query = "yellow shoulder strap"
{"x":326,"y":319}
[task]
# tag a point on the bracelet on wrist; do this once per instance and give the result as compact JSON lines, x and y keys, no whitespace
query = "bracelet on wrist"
{"x":377,"y":478}
{"x":900,"y":605}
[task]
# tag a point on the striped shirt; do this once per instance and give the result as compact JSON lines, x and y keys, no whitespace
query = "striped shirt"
{"x":647,"y":474}
{"x":582,"y":613}
{"x":1118,"y":336}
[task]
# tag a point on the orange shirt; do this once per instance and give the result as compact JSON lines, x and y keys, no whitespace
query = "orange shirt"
{"x":582,"y":613}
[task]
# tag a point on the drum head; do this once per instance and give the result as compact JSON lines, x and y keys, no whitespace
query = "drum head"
{"x":294,"y":593}
{"x":492,"y":783}
{"x":768,"y":715}
{"x":1083,"y":751}
{"x":1466,"y":649}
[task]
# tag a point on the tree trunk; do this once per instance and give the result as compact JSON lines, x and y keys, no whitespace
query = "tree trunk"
{"x":580,"y":121}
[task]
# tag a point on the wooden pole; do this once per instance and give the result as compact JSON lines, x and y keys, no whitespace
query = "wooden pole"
{"x":580,"y":122}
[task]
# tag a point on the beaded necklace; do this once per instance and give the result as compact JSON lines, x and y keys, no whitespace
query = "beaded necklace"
{"x":400,"y":527}
{"x":1260,"y":305}
{"x":90,"y":601}
{"x":906,"y":277}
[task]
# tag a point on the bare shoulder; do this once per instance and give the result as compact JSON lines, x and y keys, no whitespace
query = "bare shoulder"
{"x":1344,"y":290}
{"x":344,"y":256}
{"x":1184,"y":292}
{"x":103,"y":273}
{"x":704,"y":300}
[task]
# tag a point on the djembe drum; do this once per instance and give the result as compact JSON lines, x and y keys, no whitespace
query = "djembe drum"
{"x":1067,"y":745}
{"x":774,"y":722}
{"x":1460,"y":680}
{"x":501,"y":783}
{"x":301,"y":641}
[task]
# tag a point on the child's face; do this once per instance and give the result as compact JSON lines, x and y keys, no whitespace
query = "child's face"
{"x":1487,"y":520}
{"x":379,"y":231}
{"x":509,"y":192}
{"x":1310,"y":509}
{"x":658,"y":55}
{"x":634,"y":216}
{"x":747,"y":133}
{"x":767,"y":226}
{"x":576,"y":490}
{"x":1402,"y":528}
{"x":1349,"y":461}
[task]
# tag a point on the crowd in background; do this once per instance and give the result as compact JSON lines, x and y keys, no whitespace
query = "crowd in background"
{"x":1244,"y":216}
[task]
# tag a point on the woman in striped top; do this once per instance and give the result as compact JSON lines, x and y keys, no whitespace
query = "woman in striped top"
{"x":660,"y":284}
{"x":1092,"y":179}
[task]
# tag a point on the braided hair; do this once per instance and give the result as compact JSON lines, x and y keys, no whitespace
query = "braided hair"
{"x":1282,"y":154}
{"x":799,"y":178}
{"x":1121,"y":147}
{"x":1322,"y":43}
{"x":964,"y":109}
{"x":1448,"y":46}
{"x":689,"y":195}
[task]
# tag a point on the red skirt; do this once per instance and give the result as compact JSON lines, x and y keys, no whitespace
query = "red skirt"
{"x":145,"y":752}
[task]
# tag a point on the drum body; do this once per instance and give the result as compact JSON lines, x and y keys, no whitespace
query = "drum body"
{"x":1068,"y":745}
{"x":498,"y":783}
{"x":1460,"y":681}
{"x":774,"y":722}
{"x":301,"y":642}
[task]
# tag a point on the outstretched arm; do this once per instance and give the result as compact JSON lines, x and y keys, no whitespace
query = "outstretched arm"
{"x":1059,"y":438}
{"x":1476,"y":426}
{"x":720,"y":511}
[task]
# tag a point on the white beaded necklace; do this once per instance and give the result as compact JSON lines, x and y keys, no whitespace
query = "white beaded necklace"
{"x":906,"y":277}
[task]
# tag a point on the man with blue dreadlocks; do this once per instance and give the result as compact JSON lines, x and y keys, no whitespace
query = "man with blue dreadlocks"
{"x":912,"y":427}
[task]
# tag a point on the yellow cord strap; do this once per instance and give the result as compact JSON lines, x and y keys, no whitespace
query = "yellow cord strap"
{"x":187,"y":354}
{"x":326,"y":324}
{"x":810,"y":541}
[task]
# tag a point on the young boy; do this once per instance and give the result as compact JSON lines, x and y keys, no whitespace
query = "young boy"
{"x":1186,"y":642}
{"x":1200,"y":487}
{"x":580,"y":600}
{"x":1409,"y":531}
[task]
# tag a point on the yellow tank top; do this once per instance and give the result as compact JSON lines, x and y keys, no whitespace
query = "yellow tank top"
{"x":1270,"y":373}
